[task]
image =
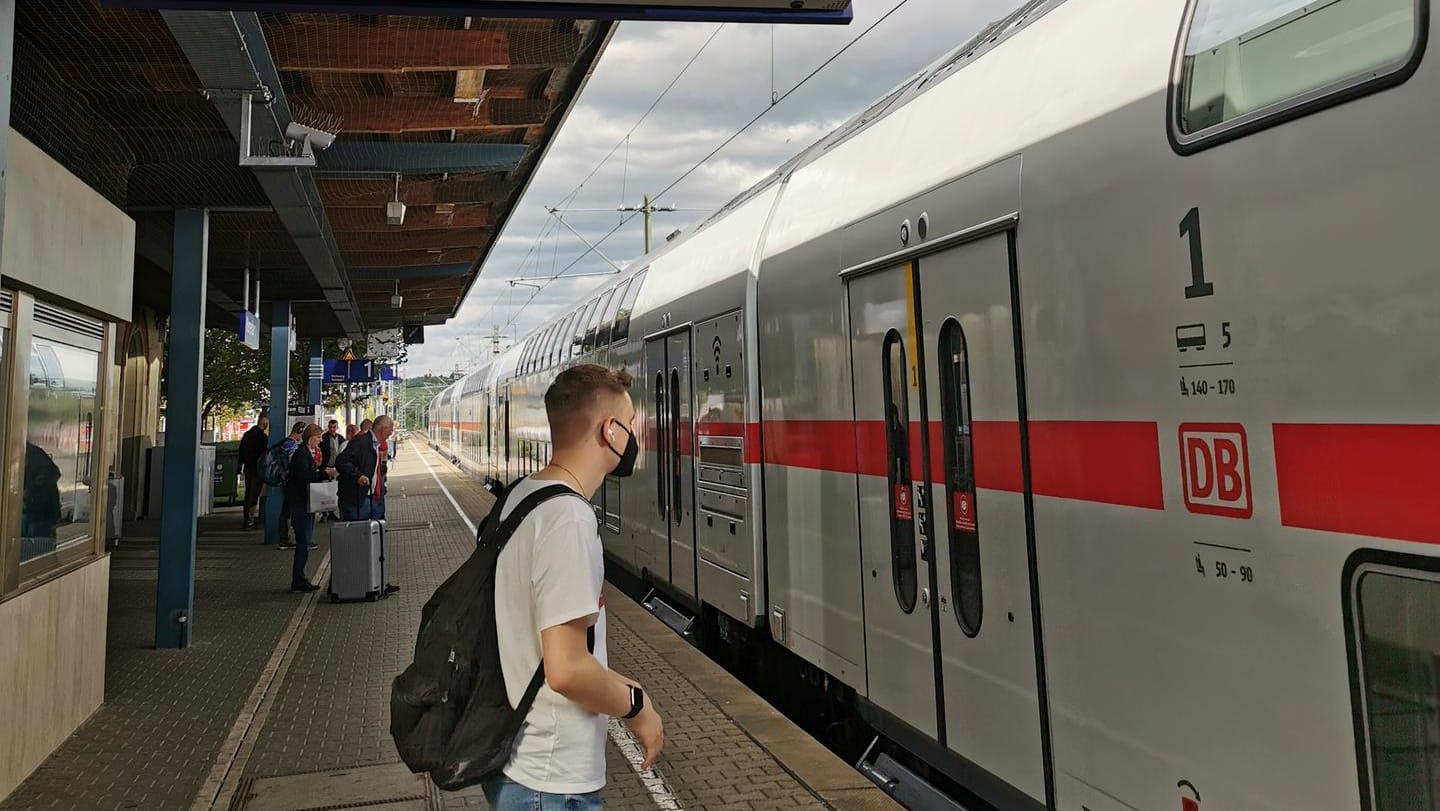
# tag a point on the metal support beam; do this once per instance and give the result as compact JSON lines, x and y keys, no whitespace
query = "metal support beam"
{"x":279,"y":406}
{"x":175,"y":589}
{"x":317,"y":371}
{"x":7,"y":61}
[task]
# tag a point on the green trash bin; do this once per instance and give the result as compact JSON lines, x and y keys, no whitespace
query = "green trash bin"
{"x":227,"y":473}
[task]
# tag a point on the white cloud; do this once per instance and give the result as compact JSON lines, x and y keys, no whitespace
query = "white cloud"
{"x":727,"y":86}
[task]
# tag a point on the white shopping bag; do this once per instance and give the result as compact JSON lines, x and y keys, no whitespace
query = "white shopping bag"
{"x":324,"y":497}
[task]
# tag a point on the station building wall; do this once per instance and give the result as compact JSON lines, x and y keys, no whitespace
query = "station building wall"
{"x":66,"y":284}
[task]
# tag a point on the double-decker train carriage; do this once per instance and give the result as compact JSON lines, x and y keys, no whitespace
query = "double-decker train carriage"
{"x":1072,"y":409}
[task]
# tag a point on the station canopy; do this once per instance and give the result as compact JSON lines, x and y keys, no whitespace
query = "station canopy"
{"x":759,"y":11}
{"x":448,"y":113}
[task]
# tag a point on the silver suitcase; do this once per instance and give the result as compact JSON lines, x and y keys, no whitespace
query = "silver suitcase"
{"x":357,"y":560}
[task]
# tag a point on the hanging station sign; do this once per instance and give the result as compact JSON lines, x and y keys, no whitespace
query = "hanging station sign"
{"x":250,"y":330}
{"x":833,"y":12}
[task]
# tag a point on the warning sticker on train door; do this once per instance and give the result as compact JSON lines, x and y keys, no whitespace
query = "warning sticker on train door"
{"x":963,"y":510}
{"x":903,"y":510}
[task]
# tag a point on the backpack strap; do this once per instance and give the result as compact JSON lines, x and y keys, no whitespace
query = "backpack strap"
{"x":505,"y":528}
{"x":527,"y":700}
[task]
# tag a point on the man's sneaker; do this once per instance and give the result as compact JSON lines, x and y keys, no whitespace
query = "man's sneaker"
{"x":391,"y":588}
{"x":304,"y":587}
{"x":314,"y":545}
{"x":286,"y":545}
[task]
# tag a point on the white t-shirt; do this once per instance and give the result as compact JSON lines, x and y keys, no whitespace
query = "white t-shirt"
{"x":550,"y":573}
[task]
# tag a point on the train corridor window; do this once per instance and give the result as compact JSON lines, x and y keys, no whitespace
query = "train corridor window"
{"x":579,"y":328}
{"x":561,"y":350}
{"x":964,"y":530}
{"x":607,"y":322}
{"x":1245,"y":64}
{"x":593,"y":329}
{"x":897,"y":449}
{"x":1398,"y":647}
{"x":627,"y":306}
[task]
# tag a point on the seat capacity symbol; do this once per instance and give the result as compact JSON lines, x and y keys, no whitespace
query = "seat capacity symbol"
{"x":1215,"y":469}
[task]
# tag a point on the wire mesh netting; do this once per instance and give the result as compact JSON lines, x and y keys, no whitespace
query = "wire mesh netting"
{"x":454,"y":109}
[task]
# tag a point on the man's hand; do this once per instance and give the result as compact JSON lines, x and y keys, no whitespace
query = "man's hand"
{"x":330,"y":472}
{"x":363,"y":481}
{"x":648,"y":728}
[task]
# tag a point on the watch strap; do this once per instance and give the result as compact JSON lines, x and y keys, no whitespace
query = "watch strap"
{"x":637,"y":702}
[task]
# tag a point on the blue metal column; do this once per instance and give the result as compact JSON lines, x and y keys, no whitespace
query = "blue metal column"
{"x":279,"y":407}
{"x":317,"y":372}
{"x":175,"y":591}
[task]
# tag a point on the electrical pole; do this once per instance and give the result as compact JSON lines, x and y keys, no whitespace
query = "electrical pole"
{"x":648,"y":210}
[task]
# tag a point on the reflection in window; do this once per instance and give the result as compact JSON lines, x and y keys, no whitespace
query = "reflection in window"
{"x":1243,"y":56}
{"x":676,"y":467}
{"x":55,"y":507}
{"x":607,"y":322}
{"x":964,"y":527}
{"x":1399,"y":649}
{"x":897,"y":445}
{"x":660,"y":437}
{"x":593,"y":330}
{"x":627,"y":306}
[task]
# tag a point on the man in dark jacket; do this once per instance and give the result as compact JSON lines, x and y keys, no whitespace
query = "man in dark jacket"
{"x":361,"y":484}
{"x":252,"y":449}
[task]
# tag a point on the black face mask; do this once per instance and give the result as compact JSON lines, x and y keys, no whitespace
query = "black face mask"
{"x":627,"y":459}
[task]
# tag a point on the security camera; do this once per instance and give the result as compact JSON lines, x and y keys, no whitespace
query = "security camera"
{"x":397,"y":301}
{"x":310,"y":138}
{"x":395,"y":213}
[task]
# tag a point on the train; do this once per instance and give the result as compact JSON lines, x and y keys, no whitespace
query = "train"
{"x":1071,"y":412}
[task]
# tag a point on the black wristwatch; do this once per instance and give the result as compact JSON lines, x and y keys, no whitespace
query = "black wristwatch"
{"x":637,"y":702}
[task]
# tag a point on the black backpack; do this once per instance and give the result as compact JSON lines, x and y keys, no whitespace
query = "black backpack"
{"x":449,"y":713}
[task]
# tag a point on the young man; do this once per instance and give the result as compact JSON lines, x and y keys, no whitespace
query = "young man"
{"x":252,"y":453}
{"x":330,"y":446}
{"x":548,"y":602}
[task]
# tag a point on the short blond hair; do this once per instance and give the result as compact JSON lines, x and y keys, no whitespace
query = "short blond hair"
{"x":577,"y":397}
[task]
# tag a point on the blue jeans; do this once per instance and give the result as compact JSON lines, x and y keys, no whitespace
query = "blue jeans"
{"x":304,"y":524}
{"x":368,"y":509}
{"x":505,"y":794}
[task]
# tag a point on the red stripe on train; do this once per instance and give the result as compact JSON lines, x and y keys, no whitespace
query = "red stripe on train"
{"x":1377,"y":480}
{"x":1107,"y":462}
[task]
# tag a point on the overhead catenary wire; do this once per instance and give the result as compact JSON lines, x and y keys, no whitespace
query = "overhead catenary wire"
{"x":731,"y":139}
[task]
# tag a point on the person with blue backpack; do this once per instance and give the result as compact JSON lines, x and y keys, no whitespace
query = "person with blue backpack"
{"x":275,"y":470}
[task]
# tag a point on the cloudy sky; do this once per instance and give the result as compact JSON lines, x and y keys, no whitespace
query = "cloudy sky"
{"x":728,"y":84}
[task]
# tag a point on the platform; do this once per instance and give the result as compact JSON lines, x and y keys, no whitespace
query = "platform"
{"x":282,"y":702}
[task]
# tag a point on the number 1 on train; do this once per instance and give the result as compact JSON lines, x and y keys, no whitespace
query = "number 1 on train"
{"x":1190,"y":227}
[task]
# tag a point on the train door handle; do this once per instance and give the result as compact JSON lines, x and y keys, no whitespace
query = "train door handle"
{"x":925,"y":597}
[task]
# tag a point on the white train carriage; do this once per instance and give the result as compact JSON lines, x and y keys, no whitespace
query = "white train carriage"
{"x":1072,"y":407}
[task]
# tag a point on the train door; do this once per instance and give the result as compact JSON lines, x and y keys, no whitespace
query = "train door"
{"x":944,"y":533}
{"x":667,"y":362}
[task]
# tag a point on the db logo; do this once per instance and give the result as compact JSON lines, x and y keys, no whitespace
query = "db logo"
{"x":1189,"y":796}
{"x":1215,"y":469}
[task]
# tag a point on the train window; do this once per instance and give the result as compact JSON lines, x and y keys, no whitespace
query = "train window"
{"x":676,"y":467}
{"x":1399,"y":665}
{"x":1245,"y":64}
{"x":627,"y":306}
{"x":545,"y":344}
{"x":607,"y":321}
{"x":660,"y":442}
{"x":964,"y":528}
{"x":558,"y":352}
{"x":579,"y":329}
{"x":897,"y":447}
{"x":593,"y":330}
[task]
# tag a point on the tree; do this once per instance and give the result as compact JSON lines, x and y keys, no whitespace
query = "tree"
{"x":236,"y":377}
